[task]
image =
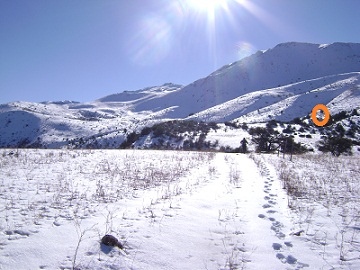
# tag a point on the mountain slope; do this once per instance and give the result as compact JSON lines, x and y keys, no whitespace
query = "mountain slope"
{"x":285,"y":64}
{"x":287,"y":102}
{"x":280,"y":83}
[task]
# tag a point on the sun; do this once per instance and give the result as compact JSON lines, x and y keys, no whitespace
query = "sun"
{"x":207,"y":6}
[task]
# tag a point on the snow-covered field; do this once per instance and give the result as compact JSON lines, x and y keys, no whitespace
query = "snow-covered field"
{"x":177,"y":210}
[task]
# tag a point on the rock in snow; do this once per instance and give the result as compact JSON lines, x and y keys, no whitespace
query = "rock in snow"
{"x":112,"y":241}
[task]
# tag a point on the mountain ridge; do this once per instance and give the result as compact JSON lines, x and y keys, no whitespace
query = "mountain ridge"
{"x":280,"y":83}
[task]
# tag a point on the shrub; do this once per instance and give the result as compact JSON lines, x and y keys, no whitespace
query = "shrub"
{"x":231,"y":124}
{"x":264,"y":139}
{"x":339,"y":116}
{"x":340,"y":129}
{"x":131,"y":138}
{"x":335,"y":145}
{"x":271,"y":124}
{"x":288,"y":129}
{"x":290,"y":146}
{"x":244,"y":126}
{"x":297,"y":120}
{"x":145,"y":131}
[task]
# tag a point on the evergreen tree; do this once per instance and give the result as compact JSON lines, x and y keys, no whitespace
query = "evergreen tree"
{"x":264,"y":138}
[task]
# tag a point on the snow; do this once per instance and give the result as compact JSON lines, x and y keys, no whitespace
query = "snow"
{"x":176,"y":210}
{"x":287,"y":102}
{"x":327,"y":210}
{"x":283,"y":65}
{"x":281,"y":83}
{"x":186,"y":210}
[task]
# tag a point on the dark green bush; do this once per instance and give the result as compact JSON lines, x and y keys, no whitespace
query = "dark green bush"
{"x":335,"y":145}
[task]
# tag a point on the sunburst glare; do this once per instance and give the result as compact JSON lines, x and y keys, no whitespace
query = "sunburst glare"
{"x":244,"y":49}
{"x":155,"y":34}
{"x":266,"y":18}
{"x":152,"y":41}
{"x":207,"y":6}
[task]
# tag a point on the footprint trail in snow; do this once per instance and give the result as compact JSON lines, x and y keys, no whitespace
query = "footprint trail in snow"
{"x":274,"y":240}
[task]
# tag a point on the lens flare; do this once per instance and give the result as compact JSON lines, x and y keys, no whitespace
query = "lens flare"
{"x":244,"y":49}
{"x":151,"y":42}
{"x":266,"y":18}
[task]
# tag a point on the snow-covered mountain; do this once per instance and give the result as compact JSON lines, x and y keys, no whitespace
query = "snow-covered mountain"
{"x":274,"y":70}
{"x":280,"y":83}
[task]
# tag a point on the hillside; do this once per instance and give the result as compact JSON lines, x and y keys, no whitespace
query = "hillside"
{"x":282,"y":66}
{"x":281,"y":84}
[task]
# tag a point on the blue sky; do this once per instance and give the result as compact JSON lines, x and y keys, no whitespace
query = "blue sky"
{"x":85,"y":49}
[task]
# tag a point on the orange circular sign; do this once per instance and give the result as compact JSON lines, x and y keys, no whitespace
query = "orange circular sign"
{"x":326,"y":112}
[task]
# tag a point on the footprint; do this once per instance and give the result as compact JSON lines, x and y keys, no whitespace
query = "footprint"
{"x":276,"y":227}
{"x":22,"y":232}
{"x":266,"y":206}
{"x":272,"y":219}
{"x":277,"y":224}
{"x":276,"y":246}
{"x":271,"y":212}
{"x":261,"y":216}
{"x":281,"y":257}
{"x":89,"y":253}
{"x":271,"y":202}
{"x":267,"y":198}
{"x":300,"y":265}
{"x":288,"y":244}
{"x":57,"y":223}
{"x":291,"y":259}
